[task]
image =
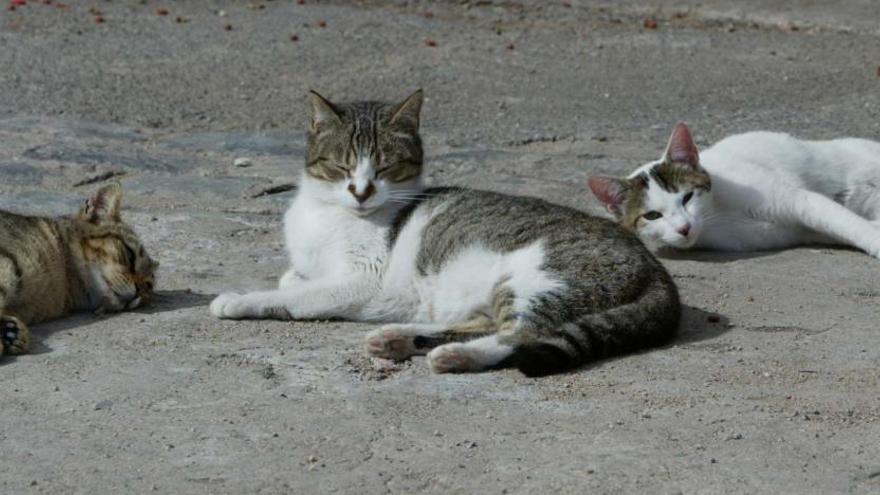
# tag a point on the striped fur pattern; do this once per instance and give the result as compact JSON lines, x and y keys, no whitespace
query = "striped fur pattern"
{"x":475,"y":280}
{"x":49,"y":267}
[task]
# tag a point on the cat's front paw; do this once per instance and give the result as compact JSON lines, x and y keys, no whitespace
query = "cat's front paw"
{"x":14,"y":335}
{"x":229,"y":305}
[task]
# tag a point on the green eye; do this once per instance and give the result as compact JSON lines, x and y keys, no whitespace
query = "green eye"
{"x":652,"y":215}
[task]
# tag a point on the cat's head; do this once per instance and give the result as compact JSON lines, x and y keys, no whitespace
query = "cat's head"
{"x":118,"y":272}
{"x":664,"y":202}
{"x":364,"y":155}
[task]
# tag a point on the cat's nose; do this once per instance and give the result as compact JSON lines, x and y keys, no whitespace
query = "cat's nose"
{"x":684,"y":229}
{"x":362,"y":195}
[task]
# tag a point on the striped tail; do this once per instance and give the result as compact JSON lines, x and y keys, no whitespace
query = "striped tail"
{"x":650,"y":320}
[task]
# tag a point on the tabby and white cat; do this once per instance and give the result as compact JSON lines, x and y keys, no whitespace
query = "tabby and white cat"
{"x":484,"y":279}
{"x":753,"y":191}
{"x":50,"y":267}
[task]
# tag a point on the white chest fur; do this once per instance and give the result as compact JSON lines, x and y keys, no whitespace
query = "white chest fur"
{"x":328,"y":241}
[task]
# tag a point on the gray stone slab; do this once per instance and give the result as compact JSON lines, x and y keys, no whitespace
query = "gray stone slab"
{"x":132,"y":159}
{"x":280,"y":143}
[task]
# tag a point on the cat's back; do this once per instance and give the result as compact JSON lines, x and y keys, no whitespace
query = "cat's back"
{"x":25,"y":233}
{"x":32,"y":257}
{"x":764,"y":157}
{"x":762,"y":148}
{"x":451,"y":219}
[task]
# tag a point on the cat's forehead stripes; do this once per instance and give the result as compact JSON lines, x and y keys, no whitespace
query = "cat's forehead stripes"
{"x":365,"y":118}
{"x":665,"y":182}
{"x":673,"y":177}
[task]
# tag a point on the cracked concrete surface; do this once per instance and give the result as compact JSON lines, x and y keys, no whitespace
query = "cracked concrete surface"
{"x":781,"y":395}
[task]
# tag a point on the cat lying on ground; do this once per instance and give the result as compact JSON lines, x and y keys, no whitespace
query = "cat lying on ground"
{"x":49,"y":267}
{"x":753,"y":191}
{"x":476,"y":280}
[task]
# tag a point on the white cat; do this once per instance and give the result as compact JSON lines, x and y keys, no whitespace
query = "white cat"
{"x":753,"y":191}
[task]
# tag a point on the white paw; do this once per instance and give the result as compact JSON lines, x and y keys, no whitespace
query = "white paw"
{"x":452,"y":358}
{"x":229,"y":305}
{"x":390,"y":342}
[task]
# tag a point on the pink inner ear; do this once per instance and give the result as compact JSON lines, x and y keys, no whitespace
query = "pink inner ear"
{"x":681,"y":147}
{"x":608,"y":190}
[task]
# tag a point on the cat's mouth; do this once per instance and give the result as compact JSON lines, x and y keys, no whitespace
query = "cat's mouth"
{"x":116,"y":302}
{"x":681,"y":242}
{"x":362,"y":211}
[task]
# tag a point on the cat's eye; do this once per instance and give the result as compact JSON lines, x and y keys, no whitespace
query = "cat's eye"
{"x":687,"y":197}
{"x":652,"y":215}
{"x":129,"y":254}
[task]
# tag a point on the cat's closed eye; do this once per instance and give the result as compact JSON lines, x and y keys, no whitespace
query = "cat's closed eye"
{"x":652,"y":215}
{"x":687,"y":197}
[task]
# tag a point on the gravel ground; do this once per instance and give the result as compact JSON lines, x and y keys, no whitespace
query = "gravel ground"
{"x":780,"y":395}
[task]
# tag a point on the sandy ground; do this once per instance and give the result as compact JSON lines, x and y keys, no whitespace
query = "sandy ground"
{"x":779,"y":396}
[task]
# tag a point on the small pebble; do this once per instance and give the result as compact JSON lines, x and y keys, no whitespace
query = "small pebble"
{"x":243,"y":162}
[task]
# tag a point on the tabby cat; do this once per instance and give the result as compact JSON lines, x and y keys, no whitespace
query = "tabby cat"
{"x":476,"y":280}
{"x":753,"y":191}
{"x":91,"y":261}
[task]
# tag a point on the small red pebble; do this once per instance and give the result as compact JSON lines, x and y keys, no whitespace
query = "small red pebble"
{"x":510,"y":46}
{"x":430,"y":42}
{"x":47,"y":2}
{"x":99,"y":19}
{"x":566,"y":4}
{"x":713,"y":318}
{"x":61,"y":5}
{"x":161,"y":11}
{"x":300,"y":2}
{"x":18,"y":3}
{"x":294,"y":37}
{"x":322,"y":24}
{"x":650,"y":23}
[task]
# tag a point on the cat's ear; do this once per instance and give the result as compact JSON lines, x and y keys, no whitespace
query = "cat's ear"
{"x":407,"y":112}
{"x":681,"y":147}
{"x":103,"y":205}
{"x":324,"y":113}
{"x":611,"y":191}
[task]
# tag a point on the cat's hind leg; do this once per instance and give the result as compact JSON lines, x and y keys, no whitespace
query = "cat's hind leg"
{"x":400,"y":341}
{"x":14,"y":335}
{"x":481,"y":354}
{"x":825,"y":216}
